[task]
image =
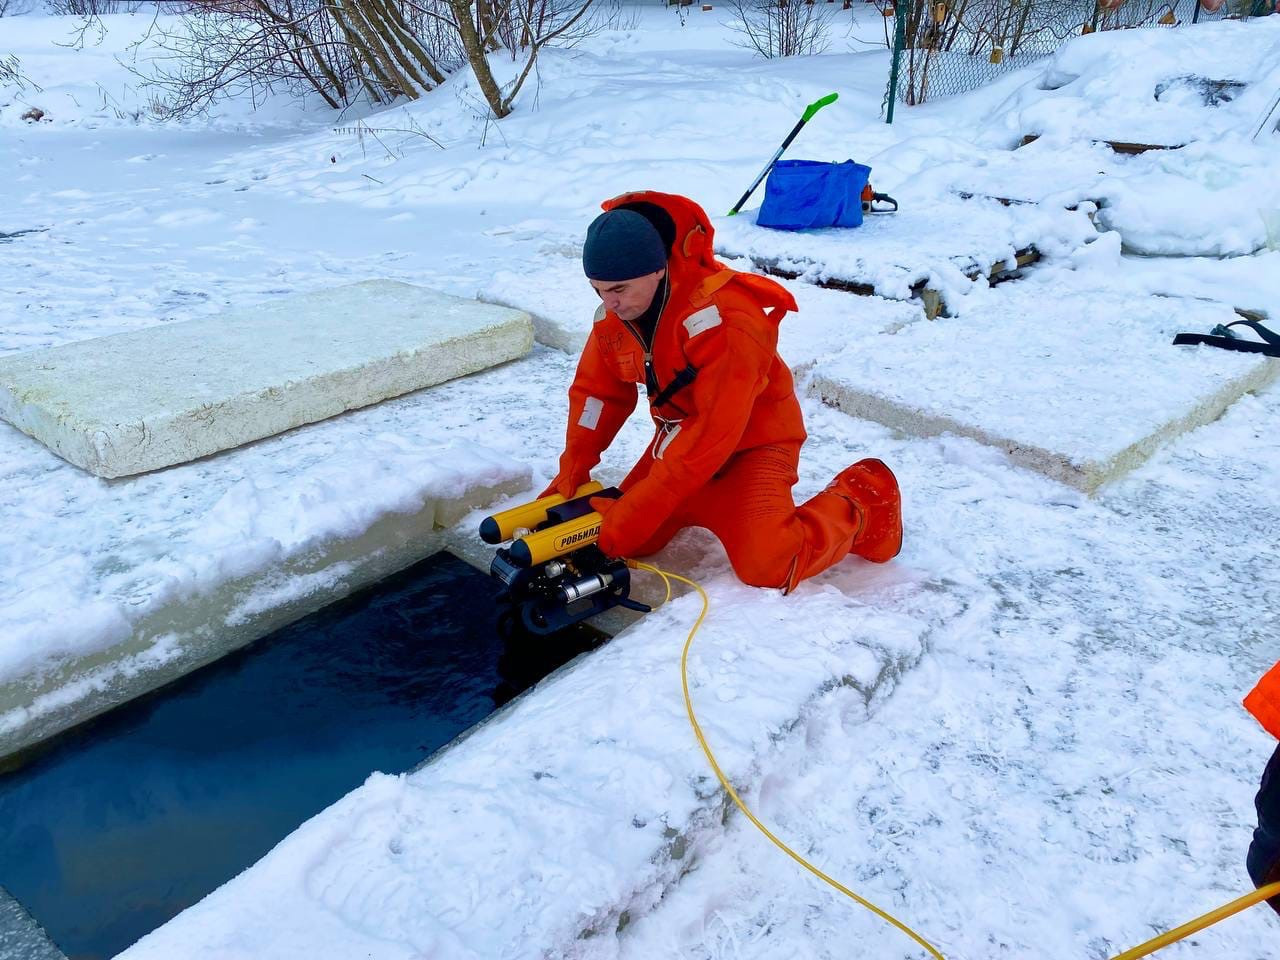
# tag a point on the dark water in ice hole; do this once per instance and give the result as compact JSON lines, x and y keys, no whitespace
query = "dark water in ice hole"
{"x":121,"y":825}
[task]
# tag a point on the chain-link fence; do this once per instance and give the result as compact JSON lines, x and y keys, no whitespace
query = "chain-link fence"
{"x":943,"y":47}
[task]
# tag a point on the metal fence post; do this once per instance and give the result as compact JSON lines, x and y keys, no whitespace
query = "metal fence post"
{"x":900,"y":11}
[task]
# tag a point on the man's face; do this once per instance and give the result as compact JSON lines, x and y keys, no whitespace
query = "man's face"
{"x":629,"y":298}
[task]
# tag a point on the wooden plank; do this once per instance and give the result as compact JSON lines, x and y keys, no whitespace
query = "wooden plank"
{"x":1119,"y":146}
{"x":1133,"y":149}
{"x":772,"y":268}
{"x":934,"y":303}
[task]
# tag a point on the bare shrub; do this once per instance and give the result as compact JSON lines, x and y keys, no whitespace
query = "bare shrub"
{"x":11,"y":73}
{"x":95,"y":8}
{"x":349,"y":51}
{"x":781,"y":28}
{"x":342,"y":50}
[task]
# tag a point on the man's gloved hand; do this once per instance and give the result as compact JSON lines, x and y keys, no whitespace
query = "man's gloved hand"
{"x":567,"y":481}
{"x":624,"y":528}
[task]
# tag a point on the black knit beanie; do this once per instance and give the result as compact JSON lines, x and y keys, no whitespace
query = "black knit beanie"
{"x":622,"y":245}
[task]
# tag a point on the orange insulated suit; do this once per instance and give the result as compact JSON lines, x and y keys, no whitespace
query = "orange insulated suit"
{"x":727,"y":425}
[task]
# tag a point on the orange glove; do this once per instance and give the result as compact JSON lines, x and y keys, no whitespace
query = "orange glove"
{"x":623,"y":529}
{"x":568,"y":480}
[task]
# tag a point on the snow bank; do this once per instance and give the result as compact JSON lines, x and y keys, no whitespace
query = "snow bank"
{"x":1171,"y":87}
{"x":947,"y":243}
{"x":1207,"y":199}
{"x":1202,"y":89}
{"x":583,"y":805}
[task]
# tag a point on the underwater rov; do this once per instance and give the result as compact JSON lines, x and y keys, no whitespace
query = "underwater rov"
{"x":553,"y":572}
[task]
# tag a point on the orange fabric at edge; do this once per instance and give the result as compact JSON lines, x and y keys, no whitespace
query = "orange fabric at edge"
{"x":1264,"y":701}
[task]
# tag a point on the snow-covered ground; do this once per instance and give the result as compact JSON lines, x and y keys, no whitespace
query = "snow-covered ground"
{"x":1023,"y":736}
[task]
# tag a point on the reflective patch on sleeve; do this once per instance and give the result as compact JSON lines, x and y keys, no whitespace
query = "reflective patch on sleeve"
{"x":600,"y":311}
{"x":664,"y":440}
{"x":705,"y":319}
{"x":591,"y":411}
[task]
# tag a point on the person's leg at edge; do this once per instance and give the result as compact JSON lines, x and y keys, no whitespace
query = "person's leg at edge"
{"x":1264,"y":852}
{"x":773,"y":543}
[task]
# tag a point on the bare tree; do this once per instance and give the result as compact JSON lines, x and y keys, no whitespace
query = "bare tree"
{"x":524,"y":28}
{"x":781,"y":28}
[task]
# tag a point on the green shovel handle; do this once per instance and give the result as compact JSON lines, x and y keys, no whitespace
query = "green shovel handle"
{"x":817,"y":105}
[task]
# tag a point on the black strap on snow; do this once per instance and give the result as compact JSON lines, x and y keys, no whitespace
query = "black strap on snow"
{"x":1268,"y":335}
{"x":1223,"y":337}
{"x":678,"y":383}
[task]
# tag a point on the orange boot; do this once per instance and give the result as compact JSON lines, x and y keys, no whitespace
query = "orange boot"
{"x":859,"y":512}
{"x":872,"y":491}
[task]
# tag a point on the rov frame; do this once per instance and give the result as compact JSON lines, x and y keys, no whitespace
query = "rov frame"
{"x":553,"y":573}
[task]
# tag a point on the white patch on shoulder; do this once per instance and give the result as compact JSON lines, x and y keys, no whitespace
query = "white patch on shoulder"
{"x":705,"y":319}
{"x":591,"y":411}
{"x":600,"y":311}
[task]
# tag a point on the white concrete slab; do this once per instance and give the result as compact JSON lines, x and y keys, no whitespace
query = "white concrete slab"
{"x":1080,"y":385}
{"x":943,"y":244}
{"x":139,"y":401}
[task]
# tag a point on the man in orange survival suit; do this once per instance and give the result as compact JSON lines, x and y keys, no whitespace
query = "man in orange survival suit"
{"x":703,"y":340}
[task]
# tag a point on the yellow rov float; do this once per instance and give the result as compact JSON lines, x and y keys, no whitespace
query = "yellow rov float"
{"x":553,"y":572}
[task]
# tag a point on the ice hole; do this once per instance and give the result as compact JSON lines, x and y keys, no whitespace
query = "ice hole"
{"x":120,"y":824}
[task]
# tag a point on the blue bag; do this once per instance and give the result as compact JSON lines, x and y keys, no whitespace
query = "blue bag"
{"x":806,"y":194}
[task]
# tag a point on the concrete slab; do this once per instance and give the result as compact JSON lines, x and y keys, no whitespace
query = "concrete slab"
{"x":139,"y":401}
{"x":1081,"y":386}
{"x":946,"y":246}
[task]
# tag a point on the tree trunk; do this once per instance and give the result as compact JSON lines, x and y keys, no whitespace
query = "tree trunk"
{"x":376,"y":45}
{"x":398,"y":58}
{"x":380,"y":81}
{"x":475,"y":51}
{"x":391,"y":13}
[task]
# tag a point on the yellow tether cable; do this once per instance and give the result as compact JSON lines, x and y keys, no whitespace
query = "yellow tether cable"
{"x":1208,"y":920}
{"x":724,"y":781}
{"x":1142,"y":950}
